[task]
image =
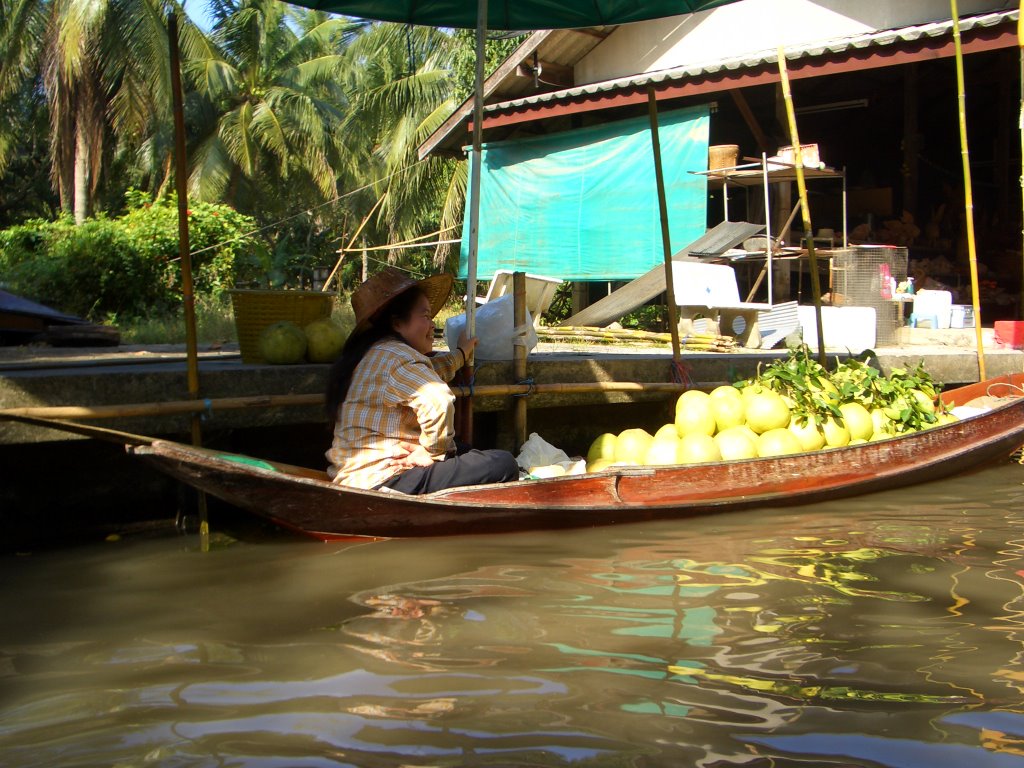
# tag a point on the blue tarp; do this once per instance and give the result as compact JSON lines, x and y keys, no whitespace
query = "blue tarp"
{"x":583,"y":204}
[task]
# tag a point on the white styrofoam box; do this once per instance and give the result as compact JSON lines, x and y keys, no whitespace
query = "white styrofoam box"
{"x":851,"y":328}
{"x":704,"y":285}
{"x":933,"y":304}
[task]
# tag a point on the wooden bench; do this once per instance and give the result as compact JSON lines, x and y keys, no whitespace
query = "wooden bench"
{"x":709,"y":291}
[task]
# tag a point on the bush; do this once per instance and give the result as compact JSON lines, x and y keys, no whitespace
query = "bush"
{"x":126,"y":267}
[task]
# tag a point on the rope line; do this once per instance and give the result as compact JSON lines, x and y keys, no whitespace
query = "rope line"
{"x":277,"y":223}
{"x":531,"y":387}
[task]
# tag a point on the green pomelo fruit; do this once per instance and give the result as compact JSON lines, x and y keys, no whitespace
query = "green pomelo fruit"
{"x":858,"y":420}
{"x":778,"y":442}
{"x":665,"y":431}
{"x":603,"y":447}
{"x":737,"y":443}
{"x":924,"y":403}
{"x":857,"y":441}
{"x":324,"y":339}
{"x":836,"y":435}
{"x":662,"y":451}
{"x":881,"y":422}
{"x":694,"y":414}
{"x":283,"y":343}
{"x":765,"y":411}
{"x":808,"y":434}
{"x":631,"y":445}
{"x":729,"y":411}
{"x":726,"y":390}
{"x":696,"y":448}
{"x":600,"y":465}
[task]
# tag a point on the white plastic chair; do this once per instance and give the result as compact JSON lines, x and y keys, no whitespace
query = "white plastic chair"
{"x":540,"y":291}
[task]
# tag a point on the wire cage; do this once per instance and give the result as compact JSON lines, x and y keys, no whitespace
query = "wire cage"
{"x":863,"y":276}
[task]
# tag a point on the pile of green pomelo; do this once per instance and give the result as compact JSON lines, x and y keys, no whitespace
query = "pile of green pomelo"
{"x":286,"y":343}
{"x":792,"y":406}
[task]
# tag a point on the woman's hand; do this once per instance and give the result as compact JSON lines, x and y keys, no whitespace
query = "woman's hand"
{"x":466,"y":345}
{"x":411,"y":455}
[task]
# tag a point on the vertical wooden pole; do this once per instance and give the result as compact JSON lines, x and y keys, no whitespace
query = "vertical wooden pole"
{"x":666,"y":241}
{"x":184,"y":250}
{"x":805,"y":209}
{"x":519,"y":357}
{"x":1020,"y":42}
{"x":972,"y":252}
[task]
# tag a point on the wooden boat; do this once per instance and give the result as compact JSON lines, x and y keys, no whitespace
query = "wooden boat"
{"x":304,"y":500}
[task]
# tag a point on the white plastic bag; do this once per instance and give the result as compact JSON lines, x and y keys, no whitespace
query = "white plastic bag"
{"x":495,"y":327}
{"x":541,"y":459}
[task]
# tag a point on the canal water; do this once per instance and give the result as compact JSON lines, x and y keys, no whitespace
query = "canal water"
{"x":880,"y":631}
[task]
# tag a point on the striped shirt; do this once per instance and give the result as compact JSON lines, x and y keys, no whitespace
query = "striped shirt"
{"x":397,"y":395}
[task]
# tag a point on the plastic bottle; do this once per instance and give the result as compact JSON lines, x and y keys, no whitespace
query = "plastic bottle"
{"x":910,"y":285}
{"x":885,"y":281}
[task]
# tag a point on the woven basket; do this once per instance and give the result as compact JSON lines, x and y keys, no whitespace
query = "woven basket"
{"x":255,"y":310}
{"x":723,"y":156}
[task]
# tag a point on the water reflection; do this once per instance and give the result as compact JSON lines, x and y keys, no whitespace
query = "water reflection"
{"x":878,"y":631}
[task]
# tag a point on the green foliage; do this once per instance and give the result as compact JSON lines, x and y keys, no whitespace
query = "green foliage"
{"x":908,"y":398}
{"x":125,"y":267}
{"x":497,"y":50}
{"x":650,"y":317}
{"x":215,"y":323}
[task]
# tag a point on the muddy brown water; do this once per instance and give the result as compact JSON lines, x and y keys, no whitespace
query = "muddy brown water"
{"x":879,"y":631}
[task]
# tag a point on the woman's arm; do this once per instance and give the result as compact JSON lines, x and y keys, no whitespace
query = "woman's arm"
{"x":447,"y":364}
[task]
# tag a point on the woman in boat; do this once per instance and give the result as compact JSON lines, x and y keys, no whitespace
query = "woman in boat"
{"x":388,"y":394}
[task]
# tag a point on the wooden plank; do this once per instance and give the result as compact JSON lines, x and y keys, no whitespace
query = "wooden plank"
{"x":644,"y":288}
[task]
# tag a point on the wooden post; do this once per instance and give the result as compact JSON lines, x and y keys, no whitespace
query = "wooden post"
{"x":666,"y":242}
{"x":519,"y":357}
{"x":184,"y":251}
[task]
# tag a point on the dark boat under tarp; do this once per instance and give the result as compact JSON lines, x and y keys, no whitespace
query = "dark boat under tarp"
{"x":23,"y":321}
{"x":304,"y":500}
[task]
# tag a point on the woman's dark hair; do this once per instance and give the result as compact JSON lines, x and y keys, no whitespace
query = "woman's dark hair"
{"x":358,"y":344}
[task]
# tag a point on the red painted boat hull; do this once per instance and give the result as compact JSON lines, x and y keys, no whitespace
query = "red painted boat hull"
{"x":304,"y":500}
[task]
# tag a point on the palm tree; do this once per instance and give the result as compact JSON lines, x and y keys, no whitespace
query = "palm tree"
{"x":103,"y":68}
{"x":22,"y":25}
{"x":268,"y":102}
{"x":399,"y":86}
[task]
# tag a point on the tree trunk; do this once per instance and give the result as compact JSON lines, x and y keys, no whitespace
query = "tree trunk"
{"x":81,"y":177}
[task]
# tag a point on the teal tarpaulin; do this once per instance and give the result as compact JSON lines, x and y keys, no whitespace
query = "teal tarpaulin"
{"x":583,"y":204}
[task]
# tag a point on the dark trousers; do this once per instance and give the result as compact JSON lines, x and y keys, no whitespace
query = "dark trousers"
{"x":470,"y":467}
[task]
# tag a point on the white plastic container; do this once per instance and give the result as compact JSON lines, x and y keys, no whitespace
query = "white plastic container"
{"x":844,"y":328}
{"x":932,"y":307}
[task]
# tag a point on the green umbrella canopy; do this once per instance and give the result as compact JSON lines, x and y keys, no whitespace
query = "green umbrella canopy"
{"x":512,"y":14}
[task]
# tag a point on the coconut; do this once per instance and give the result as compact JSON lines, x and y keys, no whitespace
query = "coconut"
{"x":282,"y":343}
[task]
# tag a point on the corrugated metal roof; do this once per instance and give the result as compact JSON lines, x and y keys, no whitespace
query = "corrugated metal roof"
{"x":834,"y":46}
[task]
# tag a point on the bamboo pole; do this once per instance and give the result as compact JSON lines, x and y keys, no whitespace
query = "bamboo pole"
{"x":804,"y":207}
{"x":184,"y":251}
{"x":337,"y":264}
{"x":464,"y":413}
{"x":972,"y":252}
{"x":519,"y":356}
{"x":178,"y":407}
{"x":666,"y":240}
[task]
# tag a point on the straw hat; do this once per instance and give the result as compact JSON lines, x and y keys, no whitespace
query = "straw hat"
{"x":373,"y":295}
